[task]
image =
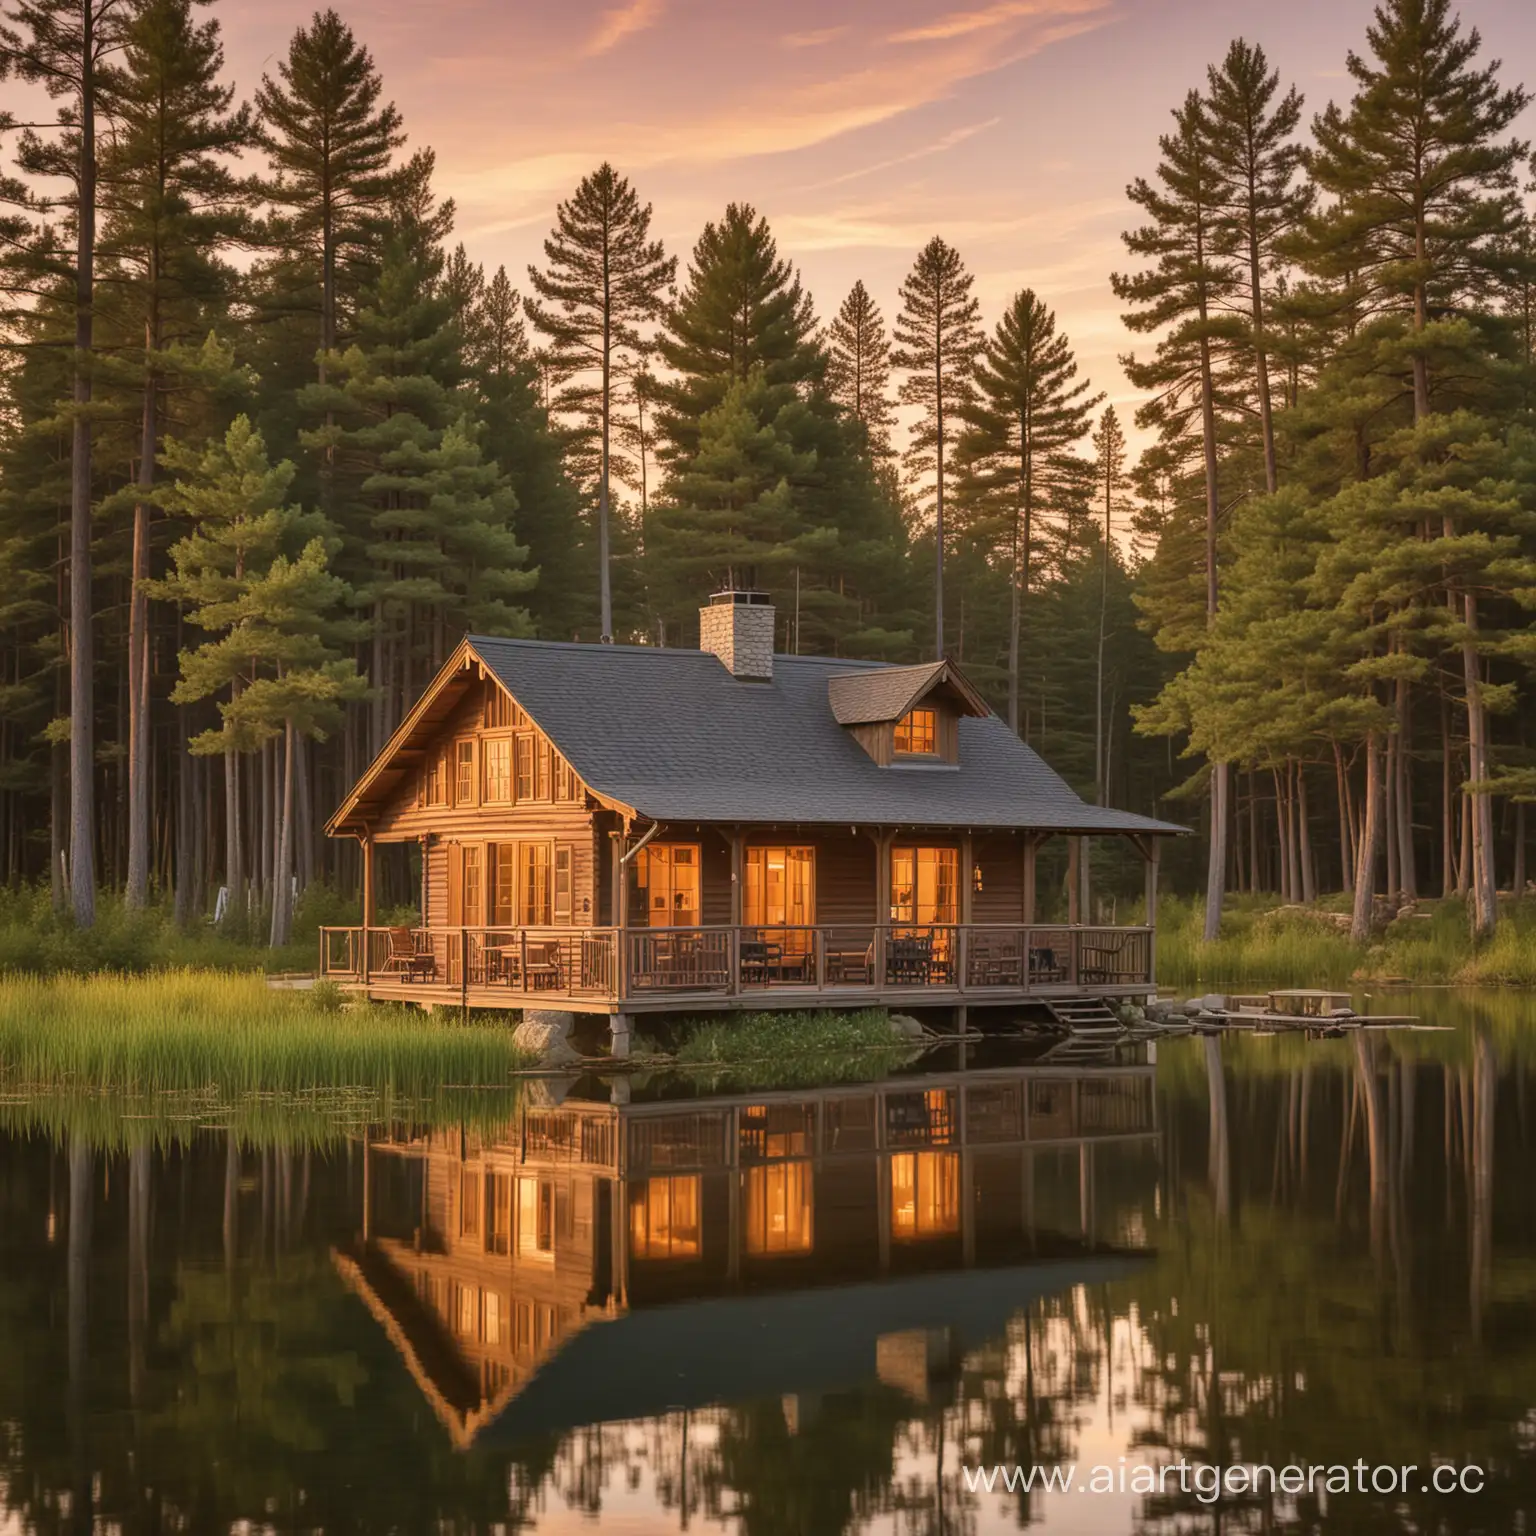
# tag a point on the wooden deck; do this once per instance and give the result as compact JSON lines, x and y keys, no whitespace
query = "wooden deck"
{"x":606,"y":970}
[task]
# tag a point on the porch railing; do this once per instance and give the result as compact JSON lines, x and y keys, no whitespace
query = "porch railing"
{"x":978,"y":959}
{"x":562,"y":962}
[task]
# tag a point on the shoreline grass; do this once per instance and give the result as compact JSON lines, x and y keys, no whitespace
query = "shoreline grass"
{"x":1262,"y":945}
{"x":785,"y":1050}
{"x":189,"y":1031}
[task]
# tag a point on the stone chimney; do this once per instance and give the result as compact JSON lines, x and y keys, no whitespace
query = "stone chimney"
{"x":737,"y":627}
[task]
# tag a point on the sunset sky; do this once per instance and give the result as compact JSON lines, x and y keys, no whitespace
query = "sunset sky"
{"x":1008,"y":126}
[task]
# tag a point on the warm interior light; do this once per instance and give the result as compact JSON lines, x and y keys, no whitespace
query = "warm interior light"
{"x":976,"y":877}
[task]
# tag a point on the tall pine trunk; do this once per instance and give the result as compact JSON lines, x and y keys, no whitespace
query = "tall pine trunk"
{"x":1304,"y":850}
{"x":1408,"y":878}
{"x":1221,"y":777}
{"x":1099,"y":752}
{"x":1485,"y":903}
{"x":282,"y":881}
{"x":1346,"y":841}
{"x":136,"y":891}
{"x":82,"y":743}
{"x":1370,"y":844}
{"x":938,"y":524}
{"x":605,"y":580}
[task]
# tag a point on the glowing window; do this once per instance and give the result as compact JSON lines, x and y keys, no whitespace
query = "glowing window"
{"x":779,"y":1215}
{"x":464,"y":773}
{"x":917,"y":732}
{"x":664,"y":1218}
{"x":925,"y":1195}
{"x":498,"y":769}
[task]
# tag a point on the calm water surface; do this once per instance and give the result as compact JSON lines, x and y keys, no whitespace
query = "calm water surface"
{"x":643,"y":1308}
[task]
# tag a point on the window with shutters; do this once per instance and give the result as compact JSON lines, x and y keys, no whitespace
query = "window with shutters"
{"x":497,"y":751}
{"x":524,"y":760}
{"x":464,"y":773}
{"x":535,"y":885}
{"x":564,"y":886}
{"x":437,"y":779}
{"x":503,"y":857}
{"x":474,"y":886}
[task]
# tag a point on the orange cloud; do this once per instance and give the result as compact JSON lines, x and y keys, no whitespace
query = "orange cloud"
{"x":964,"y":23}
{"x":621,"y":22}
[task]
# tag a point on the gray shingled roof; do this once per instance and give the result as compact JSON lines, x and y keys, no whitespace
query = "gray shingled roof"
{"x":879,"y":693}
{"x":672,"y":735}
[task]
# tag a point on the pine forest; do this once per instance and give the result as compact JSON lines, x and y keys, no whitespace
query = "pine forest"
{"x":272,"y":441}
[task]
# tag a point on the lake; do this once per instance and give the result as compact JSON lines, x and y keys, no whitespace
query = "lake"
{"x":654,"y":1305}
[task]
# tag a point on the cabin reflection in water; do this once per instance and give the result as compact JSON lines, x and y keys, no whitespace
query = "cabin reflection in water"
{"x":801,"y":1227}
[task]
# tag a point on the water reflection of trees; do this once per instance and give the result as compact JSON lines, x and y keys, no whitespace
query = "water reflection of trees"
{"x":1346,"y":1268}
{"x":1343,"y":1273}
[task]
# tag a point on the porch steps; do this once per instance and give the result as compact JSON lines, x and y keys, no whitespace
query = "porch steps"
{"x":1087,"y":1018}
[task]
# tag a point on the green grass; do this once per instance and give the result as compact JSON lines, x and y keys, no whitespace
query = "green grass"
{"x":122,"y":1060}
{"x":1261,"y":946}
{"x":786,"y":1050}
{"x":194,"y":1031}
{"x":36,"y":940}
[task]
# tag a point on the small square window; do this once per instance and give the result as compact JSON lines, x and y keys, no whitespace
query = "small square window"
{"x":917,"y":732}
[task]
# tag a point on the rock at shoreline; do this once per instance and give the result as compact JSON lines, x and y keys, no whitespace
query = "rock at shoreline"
{"x":546,"y":1034}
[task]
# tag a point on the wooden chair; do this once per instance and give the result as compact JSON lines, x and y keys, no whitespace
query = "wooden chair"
{"x":404,"y":959}
{"x":760,"y":959}
{"x":1043,"y":966}
{"x":909,"y":961}
{"x":852,"y":966}
{"x":545,"y":972}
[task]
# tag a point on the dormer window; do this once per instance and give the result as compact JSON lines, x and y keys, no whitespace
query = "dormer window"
{"x":906,"y":717}
{"x":917,"y":733}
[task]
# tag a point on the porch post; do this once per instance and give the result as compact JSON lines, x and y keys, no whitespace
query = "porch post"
{"x":368,"y":912}
{"x":1031,"y":849}
{"x":1152,"y":850}
{"x":1074,"y":880}
{"x":967,"y":891}
{"x":738,"y":841}
{"x":883,"y":842}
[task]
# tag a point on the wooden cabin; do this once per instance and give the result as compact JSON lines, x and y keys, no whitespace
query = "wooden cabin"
{"x":821,"y":1236}
{"x":622,"y":829}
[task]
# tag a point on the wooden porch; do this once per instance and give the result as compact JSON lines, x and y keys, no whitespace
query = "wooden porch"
{"x":706,"y":968}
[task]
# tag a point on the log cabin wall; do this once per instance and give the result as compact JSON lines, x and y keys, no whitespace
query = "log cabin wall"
{"x":1000,"y":857}
{"x":459,"y":797}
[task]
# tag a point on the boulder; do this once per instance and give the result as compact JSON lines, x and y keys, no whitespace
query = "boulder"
{"x":546,"y":1034}
{"x":905,"y":1027}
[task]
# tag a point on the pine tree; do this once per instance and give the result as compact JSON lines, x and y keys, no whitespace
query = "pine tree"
{"x":937,"y":339}
{"x":741,"y":308}
{"x":429,"y":524}
{"x":606,"y":279}
{"x":251,"y":571}
{"x":1257,"y":158}
{"x":499,"y":341}
{"x":1422,"y":181}
{"x":1181,"y":296}
{"x":170,"y":203}
{"x":859,"y":366}
{"x":1110,"y":480}
{"x":1424,"y":227}
{"x":331,"y":145}
{"x":63,"y":46}
{"x":731,"y":516}
{"x":1026,"y":412}
{"x":743,"y":316}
